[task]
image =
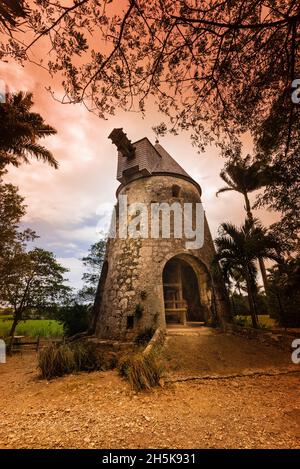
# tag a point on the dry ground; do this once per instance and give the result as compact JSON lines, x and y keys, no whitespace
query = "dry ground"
{"x":98,"y":410}
{"x":205,"y":351}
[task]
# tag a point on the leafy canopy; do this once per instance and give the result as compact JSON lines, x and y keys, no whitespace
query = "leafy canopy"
{"x":215,"y":68}
{"x":212,"y":66}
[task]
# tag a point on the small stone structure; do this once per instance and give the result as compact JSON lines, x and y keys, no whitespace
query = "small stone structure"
{"x":148,"y":282}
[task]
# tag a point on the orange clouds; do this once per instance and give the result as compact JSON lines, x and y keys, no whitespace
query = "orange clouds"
{"x":65,"y":199}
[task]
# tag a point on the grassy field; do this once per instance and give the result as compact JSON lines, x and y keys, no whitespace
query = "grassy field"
{"x":263,"y":319}
{"x":33,"y":328}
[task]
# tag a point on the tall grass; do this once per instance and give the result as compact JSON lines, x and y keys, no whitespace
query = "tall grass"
{"x":61,"y":359}
{"x":264,"y":321}
{"x":33,"y":328}
{"x":142,"y":372}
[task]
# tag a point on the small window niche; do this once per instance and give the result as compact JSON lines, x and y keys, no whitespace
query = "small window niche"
{"x":130,"y":322}
{"x":176,"y":190}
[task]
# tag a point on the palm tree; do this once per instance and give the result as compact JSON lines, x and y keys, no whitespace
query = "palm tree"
{"x":239,"y":248}
{"x":245,"y":177}
{"x":20,"y":131}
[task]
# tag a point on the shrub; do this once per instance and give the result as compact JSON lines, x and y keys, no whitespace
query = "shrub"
{"x":144,"y":336}
{"x":142,"y":372}
{"x":60,"y":359}
{"x":56,"y":360}
{"x":75,"y":318}
{"x":89,"y":357}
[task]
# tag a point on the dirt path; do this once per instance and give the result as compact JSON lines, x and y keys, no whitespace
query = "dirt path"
{"x":201,"y":351}
{"x":98,"y":410}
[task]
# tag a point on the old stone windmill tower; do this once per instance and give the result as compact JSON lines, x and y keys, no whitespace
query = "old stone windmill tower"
{"x":152,"y":281}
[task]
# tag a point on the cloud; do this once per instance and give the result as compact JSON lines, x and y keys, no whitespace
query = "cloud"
{"x":75,"y":270}
{"x":67,"y":206}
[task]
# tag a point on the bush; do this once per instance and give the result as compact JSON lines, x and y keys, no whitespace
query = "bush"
{"x":142,"y":372}
{"x":144,"y":336}
{"x":75,"y":318}
{"x":240,"y":304}
{"x":89,"y":357}
{"x":241,"y":321}
{"x":61,"y":359}
{"x":56,"y":360}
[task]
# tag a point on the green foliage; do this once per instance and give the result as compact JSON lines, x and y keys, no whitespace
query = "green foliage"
{"x":33,"y":280}
{"x":61,"y":359}
{"x":74,"y":317}
{"x":5,"y":312}
{"x":239,"y":249}
{"x":284,"y":292}
{"x":144,"y":336}
{"x":12,"y":209}
{"x":93,"y":263}
{"x":240,"y":304}
{"x":142,"y":372}
{"x":264,"y":321}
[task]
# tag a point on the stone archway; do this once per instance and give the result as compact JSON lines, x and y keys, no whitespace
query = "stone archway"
{"x":187,"y":290}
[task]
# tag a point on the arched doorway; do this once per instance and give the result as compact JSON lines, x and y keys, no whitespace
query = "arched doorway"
{"x":183,"y":288}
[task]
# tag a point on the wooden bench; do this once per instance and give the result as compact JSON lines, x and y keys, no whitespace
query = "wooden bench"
{"x":176,"y":308}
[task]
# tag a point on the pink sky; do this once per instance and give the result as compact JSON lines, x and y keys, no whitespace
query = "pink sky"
{"x":64,"y":205}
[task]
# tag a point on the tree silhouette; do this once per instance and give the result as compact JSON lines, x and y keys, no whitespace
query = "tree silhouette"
{"x":244,"y":176}
{"x":240,"y":248}
{"x":20,"y":131}
{"x":11,"y":12}
{"x":216,"y":68}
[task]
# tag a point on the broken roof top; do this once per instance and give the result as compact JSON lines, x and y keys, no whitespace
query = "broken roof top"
{"x":146,"y":160}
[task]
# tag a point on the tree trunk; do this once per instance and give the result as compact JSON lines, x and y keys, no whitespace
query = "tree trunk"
{"x":248,"y":207}
{"x":12,"y":332}
{"x":263,"y":273}
{"x":251,"y":300}
{"x":261,"y":261}
{"x":233,"y":306}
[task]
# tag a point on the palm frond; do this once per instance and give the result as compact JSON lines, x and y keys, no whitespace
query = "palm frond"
{"x":224,"y":189}
{"x":41,"y":153}
{"x":20,"y":131}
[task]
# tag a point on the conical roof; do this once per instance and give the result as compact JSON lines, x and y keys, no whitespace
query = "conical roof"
{"x":143,"y":159}
{"x":167,"y":164}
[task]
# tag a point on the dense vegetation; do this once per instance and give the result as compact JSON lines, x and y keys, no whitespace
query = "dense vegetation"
{"x":217,"y":69}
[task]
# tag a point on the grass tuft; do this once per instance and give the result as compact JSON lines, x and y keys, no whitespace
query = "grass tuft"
{"x":142,"y":372}
{"x":56,"y":360}
{"x":61,"y":359}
